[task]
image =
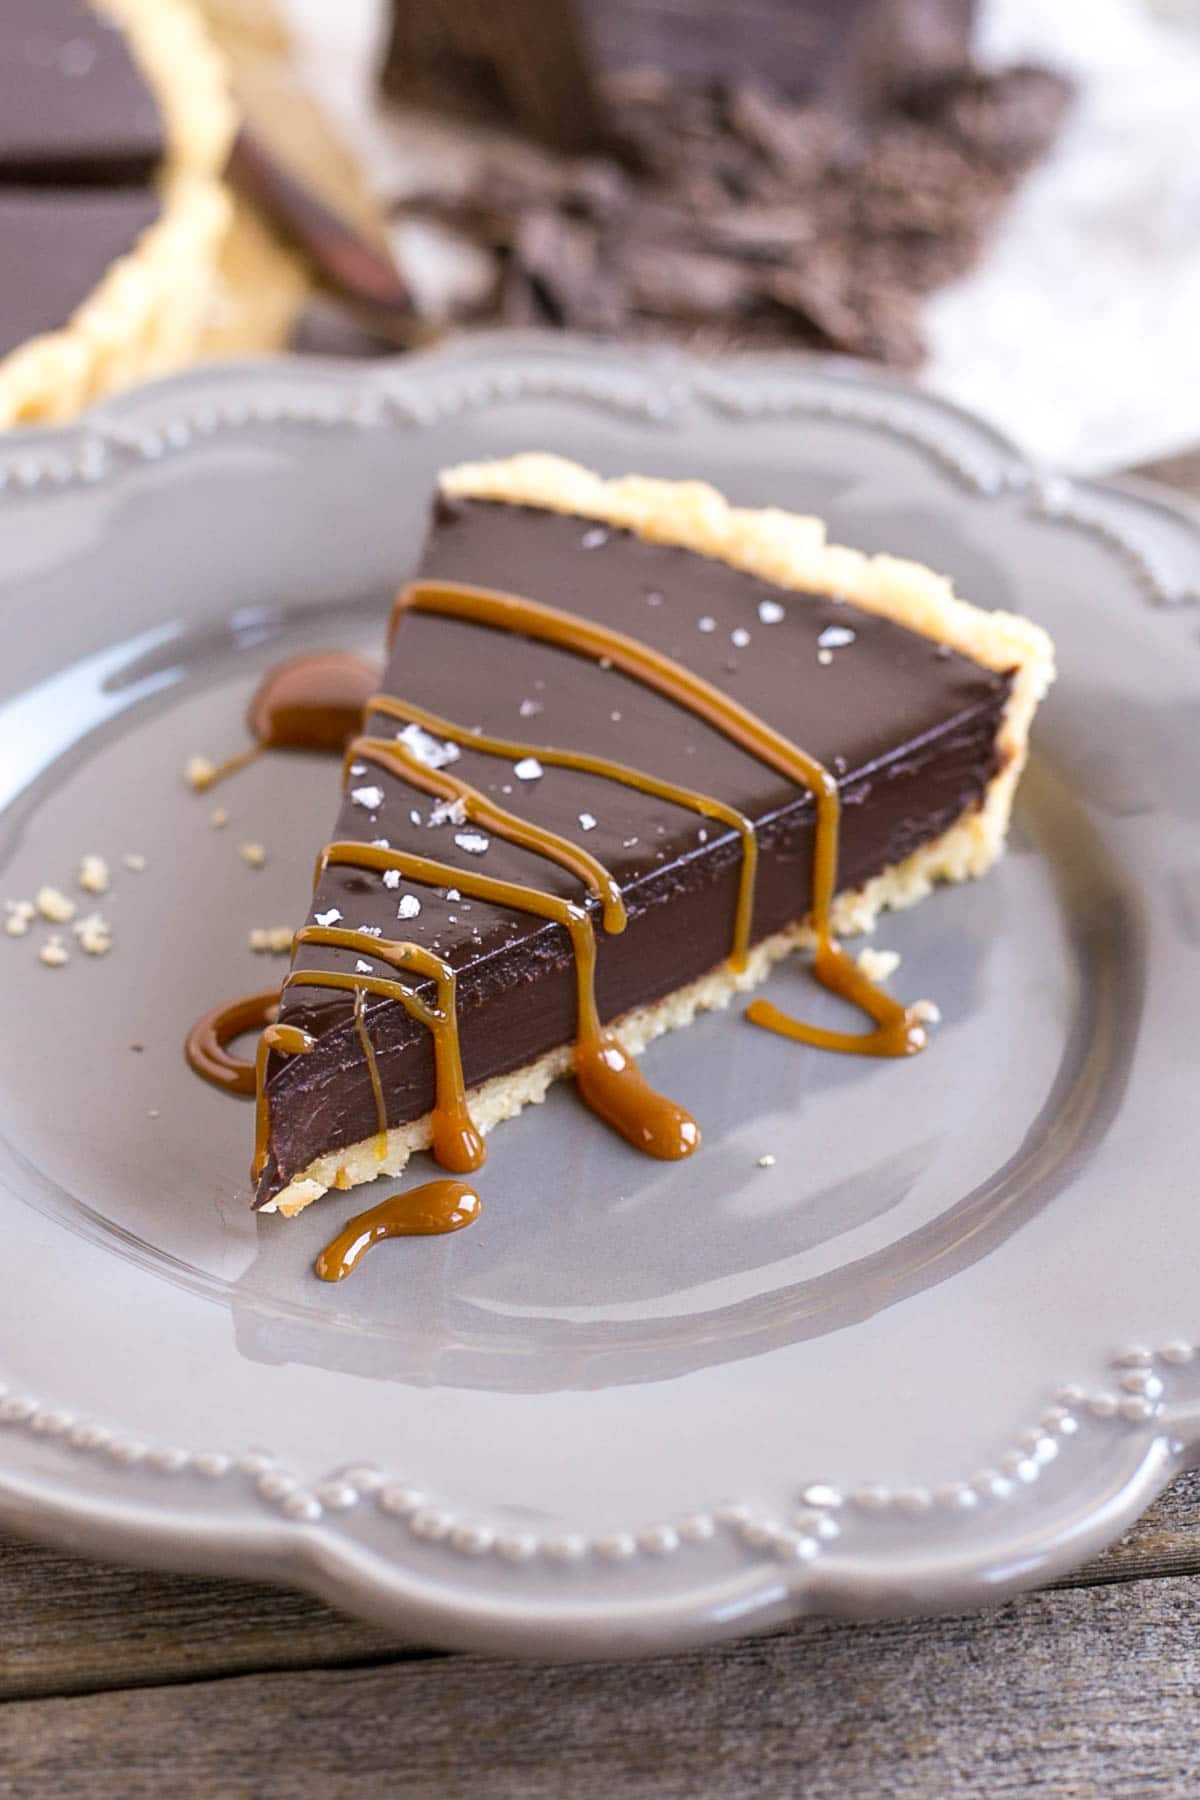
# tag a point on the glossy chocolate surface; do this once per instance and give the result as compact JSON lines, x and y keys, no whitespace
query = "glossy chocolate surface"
{"x":909,"y":729}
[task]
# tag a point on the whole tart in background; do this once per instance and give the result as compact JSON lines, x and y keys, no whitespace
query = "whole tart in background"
{"x":115,"y":125}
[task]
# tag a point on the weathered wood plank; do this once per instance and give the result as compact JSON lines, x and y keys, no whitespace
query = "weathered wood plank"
{"x":74,"y":1627}
{"x":1082,"y":1693}
{"x":70,"y":1626}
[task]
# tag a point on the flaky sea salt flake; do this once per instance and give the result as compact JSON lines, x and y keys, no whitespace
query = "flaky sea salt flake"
{"x":528,"y":769}
{"x":409,"y":907}
{"x":835,"y":637}
{"x":448,"y":812}
{"x":587,"y":820}
{"x":431,"y":751}
{"x":370,"y":796}
{"x":473,"y":842}
{"x":770,"y":612}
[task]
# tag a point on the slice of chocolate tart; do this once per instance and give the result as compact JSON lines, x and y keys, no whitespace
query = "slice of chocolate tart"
{"x":633,"y":744}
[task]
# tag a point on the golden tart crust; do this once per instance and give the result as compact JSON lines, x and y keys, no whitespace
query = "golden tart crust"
{"x":148,"y":313}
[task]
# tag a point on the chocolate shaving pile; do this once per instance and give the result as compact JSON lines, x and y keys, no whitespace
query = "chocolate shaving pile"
{"x":729,"y":217}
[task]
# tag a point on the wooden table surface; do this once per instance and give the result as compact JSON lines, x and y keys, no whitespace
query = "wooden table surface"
{"x":114,"y":1682}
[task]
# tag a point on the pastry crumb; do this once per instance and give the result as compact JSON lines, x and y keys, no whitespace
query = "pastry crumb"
{"x":218,"y":817}
{"x":199,"y":772}
{"x":53,"y":953}
{"x":253,"y":855}
{"x":276,"y":940}
{"x":54,"y":905}
{"x":877,"y":965}
{"x":18,"y":916}
{"x":765,"y":1162}
{"x":94,"y":934}
{"x":928,"y":1012}
{"x":134,"y":860}
{"x":93,"y":874}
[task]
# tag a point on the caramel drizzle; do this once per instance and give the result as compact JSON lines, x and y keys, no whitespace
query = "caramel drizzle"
{"x":207,"y":1043}
{"x":607,"y":1076}
{"x":427,"y":1211}
{"x":897,"y":1031}
{"x":704,"y":804}
{"x":457,"y":1144}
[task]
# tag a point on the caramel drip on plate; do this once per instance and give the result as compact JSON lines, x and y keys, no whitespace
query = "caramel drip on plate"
{"x":604,"y":766}
{"x":897,"y":1032}
{"x":428,"y":1211}
{"x":310,"y":702}
{"x":207,"y":1043}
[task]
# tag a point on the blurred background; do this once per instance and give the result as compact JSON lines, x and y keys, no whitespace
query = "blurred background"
{"x":1000,"y":197}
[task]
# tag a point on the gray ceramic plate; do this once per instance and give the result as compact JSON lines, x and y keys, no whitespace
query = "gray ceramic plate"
{"x":942,"y":1348}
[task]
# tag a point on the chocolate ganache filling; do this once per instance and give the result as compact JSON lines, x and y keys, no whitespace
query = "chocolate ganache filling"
{"x":902,"y":730}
